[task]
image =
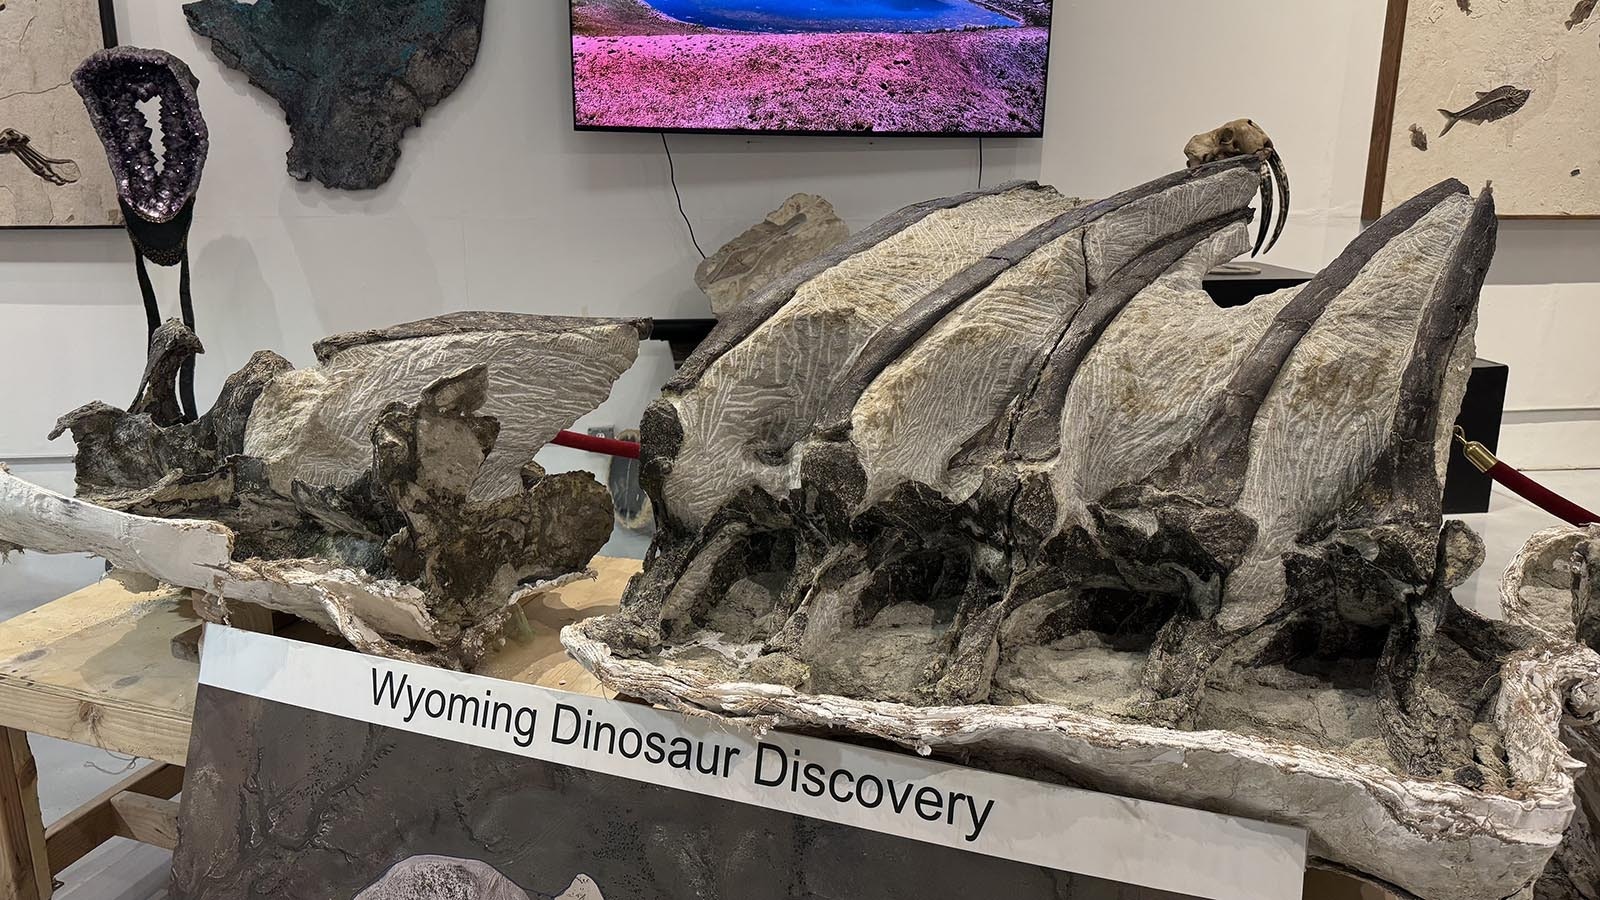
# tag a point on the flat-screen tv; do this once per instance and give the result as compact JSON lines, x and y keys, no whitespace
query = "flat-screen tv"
{"x":901,"y":67}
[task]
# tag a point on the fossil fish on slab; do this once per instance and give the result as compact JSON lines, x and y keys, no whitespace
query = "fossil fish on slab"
{"x":1581,"y":13}
{"x":1491,"y":106}
{"x":1419,"y":138}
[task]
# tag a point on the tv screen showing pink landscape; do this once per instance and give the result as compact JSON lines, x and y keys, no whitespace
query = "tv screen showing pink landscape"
{"x":969,"y":67}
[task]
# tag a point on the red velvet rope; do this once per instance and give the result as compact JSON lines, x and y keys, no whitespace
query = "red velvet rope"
{"x":596,"y":444}
{"x":1541,"y":496}
{"x":1514,"y":481}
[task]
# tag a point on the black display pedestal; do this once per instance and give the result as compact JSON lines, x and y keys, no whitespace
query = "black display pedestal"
{"x":1237,"y":290}
{"x":1466,"y":490}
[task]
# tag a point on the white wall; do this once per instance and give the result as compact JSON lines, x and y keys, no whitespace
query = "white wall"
{"x":498,"y":204}
{"x":1131,"y":81}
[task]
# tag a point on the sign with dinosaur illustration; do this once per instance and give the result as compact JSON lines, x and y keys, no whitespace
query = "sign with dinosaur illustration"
{"x":1495,"y":92}
{"x":53,"y":170}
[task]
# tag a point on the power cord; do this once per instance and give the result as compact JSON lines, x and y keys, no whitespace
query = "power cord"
{"x":980,"y":163}
{"x":672,"y":172}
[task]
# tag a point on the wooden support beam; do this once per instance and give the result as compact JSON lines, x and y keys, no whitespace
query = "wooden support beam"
{"x":245,"y":616}
{"x":186,"y":644}
{"x":99,"y":820}
{"x":148,"y":820}
{"x":24,"y":870}
{"x":250,"y":617}
{"x":1322,"y":884}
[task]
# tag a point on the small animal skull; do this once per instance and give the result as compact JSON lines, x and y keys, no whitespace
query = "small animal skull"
{"x":1237,"y":138}
{"x":1243,"y":137}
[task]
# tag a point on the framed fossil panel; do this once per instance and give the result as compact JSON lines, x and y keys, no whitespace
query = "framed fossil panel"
{"x":1495,"y":92}
{"x":53,"y":170}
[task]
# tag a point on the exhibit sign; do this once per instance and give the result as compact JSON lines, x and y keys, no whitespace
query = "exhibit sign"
{"x":402,"y":771}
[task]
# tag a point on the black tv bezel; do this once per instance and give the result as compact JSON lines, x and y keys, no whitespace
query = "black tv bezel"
{"x":572,"y":80}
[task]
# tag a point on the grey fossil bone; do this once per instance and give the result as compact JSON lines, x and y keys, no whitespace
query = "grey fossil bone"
{"x":1551,"y":587}
{"x":805,"y":226}
{"x":388,"y":495}
{"x":430,"y":877}
{"x":996,"y":478}
{"x":312,"y":425}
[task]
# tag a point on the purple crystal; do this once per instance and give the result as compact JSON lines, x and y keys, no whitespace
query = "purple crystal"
{"x":113,"y":82}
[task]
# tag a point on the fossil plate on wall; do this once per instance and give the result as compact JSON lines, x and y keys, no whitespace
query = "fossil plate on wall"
{"x":996,"y":478}
{"x":388,"y":494}
{"x":1499,"y":92}
{"x":53,"y":172}
{"x":351,"y":77}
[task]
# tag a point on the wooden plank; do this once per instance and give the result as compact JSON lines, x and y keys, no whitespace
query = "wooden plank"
{"x":95,"y":822}
{"x":1322,"y":884}
{"x":96,"y":667}
{"x":250,"y":617}
{"x":1394,"y":38}
{"x":24,"y":868}
{"x":91,"y":719}
{"x":536,"y":656}
{"x":148,"y":820}
{"x":186,"y":646}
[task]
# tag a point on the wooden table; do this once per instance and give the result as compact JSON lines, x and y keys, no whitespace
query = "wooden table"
{"x":96,"y":667}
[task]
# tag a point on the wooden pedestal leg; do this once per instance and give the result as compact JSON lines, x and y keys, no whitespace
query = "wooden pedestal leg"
{"x":24,"y":865}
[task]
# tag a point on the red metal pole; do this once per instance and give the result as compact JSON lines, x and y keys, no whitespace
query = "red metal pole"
{"x":596,"y":444}
{"x":1523,"y":486}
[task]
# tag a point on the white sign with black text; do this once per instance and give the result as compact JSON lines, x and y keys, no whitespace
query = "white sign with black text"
{"x":1154,"y":845}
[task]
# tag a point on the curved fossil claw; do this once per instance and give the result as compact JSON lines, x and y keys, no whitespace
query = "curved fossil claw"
{"x":1266,"y":214}
{"x":1281,"y":176}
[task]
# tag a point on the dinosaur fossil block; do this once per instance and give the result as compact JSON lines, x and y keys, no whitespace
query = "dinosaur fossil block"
{"x":995,"y":477}
{"x":314,"y":425}
{"x":388,"y":494}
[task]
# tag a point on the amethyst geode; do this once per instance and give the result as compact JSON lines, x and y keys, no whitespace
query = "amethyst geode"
{"x":113,"y":83}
